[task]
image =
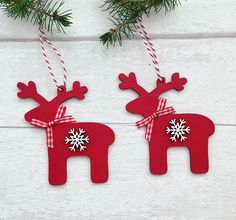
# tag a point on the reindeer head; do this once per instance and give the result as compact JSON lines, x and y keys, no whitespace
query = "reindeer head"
{"x":46,"y":110}
{"x":147,"y":102}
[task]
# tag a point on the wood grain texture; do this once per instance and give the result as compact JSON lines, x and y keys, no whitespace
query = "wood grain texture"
{"x":198,"y":41}
{"x":131,"y":192}
{"x":205,"y":63}
{"x":201,"y":18}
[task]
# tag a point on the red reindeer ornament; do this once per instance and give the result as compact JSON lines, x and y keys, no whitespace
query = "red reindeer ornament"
{"x":67,"y":138}
{"x":166,"y":129}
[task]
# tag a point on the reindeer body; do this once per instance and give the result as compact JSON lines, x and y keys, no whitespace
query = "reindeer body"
{"x":100,"y":135}
{"x":146,"y":104}
{"x":201,"y":128}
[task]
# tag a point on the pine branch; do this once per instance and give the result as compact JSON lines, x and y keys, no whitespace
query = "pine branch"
{"x":124,"y":15}
{"x":46,"y":13}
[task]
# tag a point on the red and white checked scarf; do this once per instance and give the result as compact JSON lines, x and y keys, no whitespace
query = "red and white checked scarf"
{"x":60,"y":118}
{"x":161,"y":110}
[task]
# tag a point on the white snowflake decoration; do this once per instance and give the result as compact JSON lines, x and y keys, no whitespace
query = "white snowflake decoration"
{"x":77,"y":139}
{"x":177,"y":130}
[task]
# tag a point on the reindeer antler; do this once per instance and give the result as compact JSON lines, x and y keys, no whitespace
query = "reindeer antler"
{"x":176,"y":83}
{"x":76,"y":92}
{"x":130,"y":82}
{"x":30,"y":91}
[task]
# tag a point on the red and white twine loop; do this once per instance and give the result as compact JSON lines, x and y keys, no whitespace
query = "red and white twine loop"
{"x":42,"y":38}
{"x":59,"y":118}
{"x":149,"y":121}
{"x":150,"y":47}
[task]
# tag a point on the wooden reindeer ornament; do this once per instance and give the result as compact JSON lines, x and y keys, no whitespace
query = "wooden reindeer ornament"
{"x":65,"y":137}
{"x":166,"y":129}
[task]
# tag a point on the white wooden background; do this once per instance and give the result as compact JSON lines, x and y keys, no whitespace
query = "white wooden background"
{"x":198,"y":40}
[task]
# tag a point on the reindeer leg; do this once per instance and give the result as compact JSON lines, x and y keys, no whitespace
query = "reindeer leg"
{"x":99,"y":166}
{"x":57,"y":168}
{"x":199,"y":157}
{"x":158,"y":156}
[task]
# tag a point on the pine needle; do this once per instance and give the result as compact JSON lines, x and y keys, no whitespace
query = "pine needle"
{"x":46,"y":13}
{"x":124,"y":15}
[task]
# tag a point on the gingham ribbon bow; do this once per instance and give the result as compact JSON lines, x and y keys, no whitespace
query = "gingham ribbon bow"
{"x":60,"y":118}
{"x":161,"y":110}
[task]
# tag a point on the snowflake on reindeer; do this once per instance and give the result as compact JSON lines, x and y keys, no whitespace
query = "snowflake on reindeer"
{"x":177,"y":130}
{"x":77,"y":139}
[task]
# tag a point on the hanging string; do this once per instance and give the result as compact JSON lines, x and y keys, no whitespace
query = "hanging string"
{"x":42,"y":38}
{"x":149,"y":45}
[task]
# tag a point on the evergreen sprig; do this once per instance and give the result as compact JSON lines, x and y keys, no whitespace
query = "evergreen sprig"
{"x":124,"y":15}
{"x":47,"y":13}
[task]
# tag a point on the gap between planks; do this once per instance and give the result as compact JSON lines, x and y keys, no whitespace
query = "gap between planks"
{"x":194,"y":36}
{"x":110,"y":123}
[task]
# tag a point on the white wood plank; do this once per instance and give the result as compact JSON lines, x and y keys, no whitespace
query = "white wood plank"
{"x":206,"y":63}
{"x":131,"y":192}
{"x":193,"y":17}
